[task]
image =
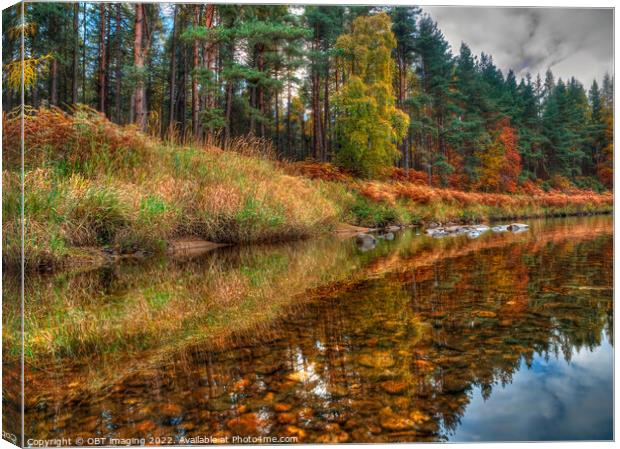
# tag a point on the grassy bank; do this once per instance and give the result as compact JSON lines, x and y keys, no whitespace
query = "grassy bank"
{"x":403,"y":200}
{"x":91,"y":184}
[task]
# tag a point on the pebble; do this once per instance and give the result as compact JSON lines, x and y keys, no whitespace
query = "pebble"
{"x":378,"y":359}
{"x":394,"y":386}
{"x":281,"y":407}
{"x":286,"y":418}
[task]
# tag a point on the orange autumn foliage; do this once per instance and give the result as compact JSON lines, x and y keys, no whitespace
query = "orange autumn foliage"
{"x":390,"y":192}
{"x":500,"y":162}
{"x":315,"y":170}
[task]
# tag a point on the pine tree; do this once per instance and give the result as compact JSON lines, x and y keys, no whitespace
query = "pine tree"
{"x":404,"y":27}
{"x":435,"y":69}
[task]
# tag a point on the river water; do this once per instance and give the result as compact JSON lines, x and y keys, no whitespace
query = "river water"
{"x":503,"y":337}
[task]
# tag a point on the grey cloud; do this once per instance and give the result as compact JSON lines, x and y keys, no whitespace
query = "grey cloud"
{"x":572,"y":42}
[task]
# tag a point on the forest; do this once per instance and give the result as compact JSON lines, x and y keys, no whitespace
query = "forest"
{"x":362,"y":87}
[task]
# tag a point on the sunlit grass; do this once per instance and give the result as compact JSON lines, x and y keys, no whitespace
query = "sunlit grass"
{"x":91,"y":183}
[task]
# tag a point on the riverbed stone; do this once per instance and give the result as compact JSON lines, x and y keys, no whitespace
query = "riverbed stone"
{"x":394,"y":386}
{"x":170,"y":409}
{"x":394,"y":422}
{"x":295,"y":432}
{"x":281,"y":407}
{"x":305,"y":413}
{"x":338,"y":391}
{"x":299,"y":376}
{"x":365,"y":242}
{"x":514,"y":227}
{"x":247,"y":423}
{"x":485,"y":314}
{"x":287,"y":418}
{"x":378,"y":359}
{"x":145,"y":426}
{"x":333,"y":434}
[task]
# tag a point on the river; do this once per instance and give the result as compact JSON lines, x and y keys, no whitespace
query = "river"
{"x":500,"y":338}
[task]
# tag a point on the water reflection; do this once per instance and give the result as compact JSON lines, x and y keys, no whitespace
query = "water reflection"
{"x":417,"y":340}
{"x":572,"y":401}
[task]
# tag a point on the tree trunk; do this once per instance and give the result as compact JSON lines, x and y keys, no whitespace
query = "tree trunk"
{"x":229,"y":98}
{"x":316,"y":118}
{"x":326,"y":115}
{"x":54,"y":86}
{"x":108,"y":53}
{"x":84,"y":57}
{"x":402,"y":88}
{"x":277,"y":118}
{"x":195,"y":61}
{"x":173,"y":71}
{"x":260,"y":91}
{"x":210,"y":51}
{"x":183,"y":93}
{"x":288,"y":116}
{"x":119,"y":65}
{"x":76,"y":43}
{"x":139,"y":53}
{"x":102,"y":56}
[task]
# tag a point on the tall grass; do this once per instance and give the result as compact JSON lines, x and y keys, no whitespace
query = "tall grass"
{"x":91,"y":183}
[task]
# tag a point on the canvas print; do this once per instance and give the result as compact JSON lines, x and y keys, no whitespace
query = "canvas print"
{"x":248,"y":224}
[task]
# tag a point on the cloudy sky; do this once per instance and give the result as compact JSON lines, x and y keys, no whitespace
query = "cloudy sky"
{"x":572,"y":42}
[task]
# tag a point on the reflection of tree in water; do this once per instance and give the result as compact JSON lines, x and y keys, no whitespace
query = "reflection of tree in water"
{"x":392,"y":357}
{"x":497,"y":313}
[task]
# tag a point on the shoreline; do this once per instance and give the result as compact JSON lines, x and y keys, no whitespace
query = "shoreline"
{"x":190,"y":246}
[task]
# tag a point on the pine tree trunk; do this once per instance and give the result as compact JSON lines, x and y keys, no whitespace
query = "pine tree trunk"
{"x":54,"y":86}
{"x":317,"y":138}
{"x":277,"y":118}
{"x":260,"y":91}
{"x":229,"y":98}
{"x":173,"y":72}
{"x":76,"y":43}
{"x":102,"y":56}
{"x":210,"y":50}
{"x":195,"y":62}
{"x":183,"y":93}
{"x":139,"y":112}
{"x":119,"y":65}
{"x":84,"y":57}
{"x":326,"y":116}
{"x":402,"y":87}
{"x":108,"y":52}
{"x":288,"y":116}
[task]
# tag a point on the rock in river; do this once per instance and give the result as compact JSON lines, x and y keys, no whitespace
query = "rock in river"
{"x":394,"y":422}
{"x":365,"y":242}
{"x":517,"y":227}
{"x":248,"y":423}
{"x":394,"y":386}
{"x":378,"y":359}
